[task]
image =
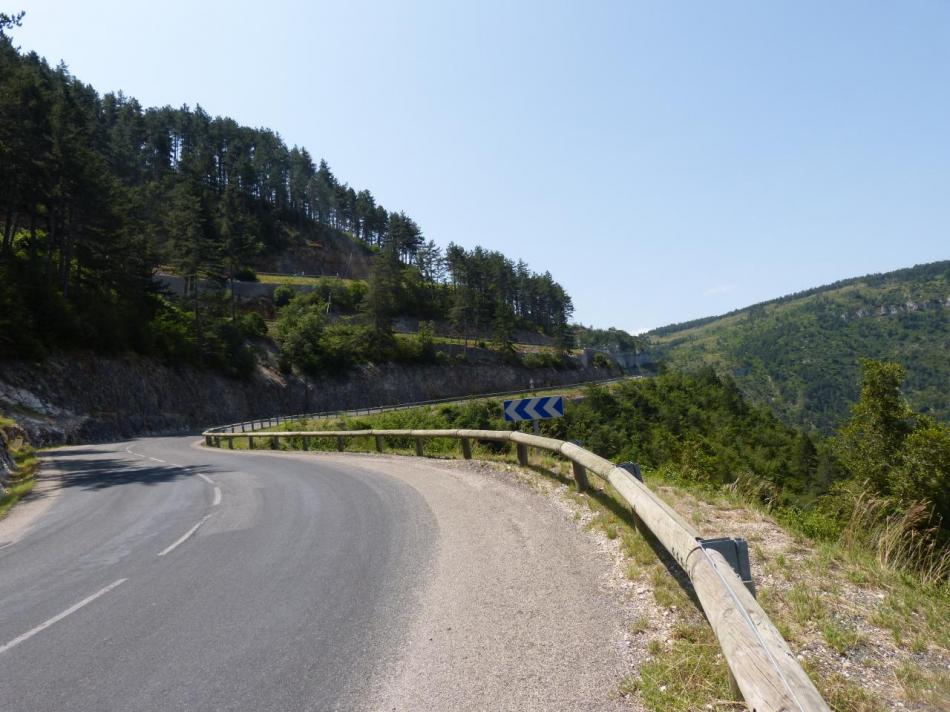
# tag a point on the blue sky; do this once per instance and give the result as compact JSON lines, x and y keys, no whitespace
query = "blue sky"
{"x":663,"y":160}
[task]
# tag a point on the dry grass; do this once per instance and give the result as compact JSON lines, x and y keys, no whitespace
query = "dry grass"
{"x":902,"y":541}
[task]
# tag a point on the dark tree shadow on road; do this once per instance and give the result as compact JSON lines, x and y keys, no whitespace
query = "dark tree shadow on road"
{"x":103,"y":472}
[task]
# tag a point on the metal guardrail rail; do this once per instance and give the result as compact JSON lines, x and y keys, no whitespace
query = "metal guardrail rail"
{"x":763,"y":667}
{"x":260,"y":423}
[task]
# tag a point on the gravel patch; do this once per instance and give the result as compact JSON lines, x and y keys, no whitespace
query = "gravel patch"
{"x":523,"y":609}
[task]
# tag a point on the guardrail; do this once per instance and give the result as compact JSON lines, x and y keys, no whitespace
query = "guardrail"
{"x":763,"y":668}
{"x":261,"y":423}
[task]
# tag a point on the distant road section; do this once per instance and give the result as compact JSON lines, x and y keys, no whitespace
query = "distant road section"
{"x":163,"y":576}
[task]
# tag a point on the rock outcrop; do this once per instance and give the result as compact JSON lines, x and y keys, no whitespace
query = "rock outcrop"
{"x":89,"y":398}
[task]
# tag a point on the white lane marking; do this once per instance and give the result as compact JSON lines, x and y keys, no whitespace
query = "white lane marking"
{"x":9,"y":543}
{"x":156,"y":459}
{"x":217,"y":497}
{"x":184,"y":537}
{"x":206,"y":478}
{"x":55,"y":619}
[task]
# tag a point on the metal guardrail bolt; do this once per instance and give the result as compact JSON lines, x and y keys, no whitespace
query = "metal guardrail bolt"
{"x":736,"y":553}
{"x":633,"y":468}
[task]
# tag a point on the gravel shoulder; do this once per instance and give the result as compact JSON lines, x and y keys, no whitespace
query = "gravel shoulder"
{"x":521,"y":608}
{"x":15,"y":524}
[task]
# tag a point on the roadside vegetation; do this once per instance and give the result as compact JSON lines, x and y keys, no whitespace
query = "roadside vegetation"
{"x":98,"y":192}
{"x":799,"y":355}
{"x":23,"y":458}
{"x":848,"y":534}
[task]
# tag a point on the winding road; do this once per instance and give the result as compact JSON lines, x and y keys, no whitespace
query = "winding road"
{"x":156,"y":574}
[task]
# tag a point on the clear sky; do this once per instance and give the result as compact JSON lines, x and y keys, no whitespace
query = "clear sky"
{"x":663,"y":160}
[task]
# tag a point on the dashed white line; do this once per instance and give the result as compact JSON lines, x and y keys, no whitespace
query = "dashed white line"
{"x":55,"y":619}
{"x":184,"y":537}
{"x":156,"y":459}
{"x":206,"y":478}
{"x":217,"y":497}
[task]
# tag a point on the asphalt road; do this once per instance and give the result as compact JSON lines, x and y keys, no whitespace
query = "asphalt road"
{"x":162,"y":576}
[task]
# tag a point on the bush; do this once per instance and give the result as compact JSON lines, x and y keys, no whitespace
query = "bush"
{"x":283,"y":295}
{"x":253,"y":324}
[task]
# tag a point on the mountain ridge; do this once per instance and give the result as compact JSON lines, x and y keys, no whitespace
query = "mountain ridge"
{"x":800,"y":353}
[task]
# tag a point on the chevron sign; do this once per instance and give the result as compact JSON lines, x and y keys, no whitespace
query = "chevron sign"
{"x":534,"y":408}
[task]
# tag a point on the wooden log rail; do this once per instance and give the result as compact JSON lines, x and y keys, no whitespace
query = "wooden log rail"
{"x":763,"y":667}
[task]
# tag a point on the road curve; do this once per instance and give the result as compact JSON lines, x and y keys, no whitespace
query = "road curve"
{"x":166,"y":576}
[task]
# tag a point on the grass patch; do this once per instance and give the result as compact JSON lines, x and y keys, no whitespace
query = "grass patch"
{"x":839,"y":635}
{"x":925,"y":686}
{"x":806,"y":604}
{"x":22,"y":481}
{"x":640,"y":625}
{"x":843,"y":695}
{"x":296,"y":279}
{"x":690,"y":674}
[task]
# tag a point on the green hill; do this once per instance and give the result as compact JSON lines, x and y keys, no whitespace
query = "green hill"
{"x":800,"y":353}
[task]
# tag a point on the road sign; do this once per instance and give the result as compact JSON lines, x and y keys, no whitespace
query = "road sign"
{"x":534,"y":408}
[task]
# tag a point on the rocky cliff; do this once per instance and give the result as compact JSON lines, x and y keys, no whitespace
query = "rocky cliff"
{"x":88,"y":398}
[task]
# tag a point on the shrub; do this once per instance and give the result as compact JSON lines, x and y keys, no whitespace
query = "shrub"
{"x":283,"y":295}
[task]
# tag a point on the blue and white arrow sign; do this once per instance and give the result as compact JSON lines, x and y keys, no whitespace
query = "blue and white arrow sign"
{"x":534,"y":408}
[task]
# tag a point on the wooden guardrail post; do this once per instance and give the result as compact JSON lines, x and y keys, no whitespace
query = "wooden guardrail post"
{"x":306,"y":442}
{"x":230,"y":443}
{"x":379,"y":442}
{"x":340,"y":443}
{"x":208,"y":440}
{"x":250,"y":442}
{"x":580,"y":477}
{"x":419,"y":447}
{"x":273,"y":443}
{"x":466,"y":448}
{"x":522,"y":454}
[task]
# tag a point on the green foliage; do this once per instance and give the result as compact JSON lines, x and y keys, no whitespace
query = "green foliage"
{"x":699,"y":428}
{"x":899,"y":454}
{"x":800,"y":355}
{"x":612,"y":339}
{"x":382,"y":298}
{"x":283,"y":294}
{"x":924,"y":470}
{"x":547,"y":359}
{"x":96,"y":193}
{"x":870,"y":444}
{"x":300,"y":328}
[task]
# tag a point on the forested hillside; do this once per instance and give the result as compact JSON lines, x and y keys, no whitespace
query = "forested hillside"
{"x":98,"y":193}
{"x":801,"y":354}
